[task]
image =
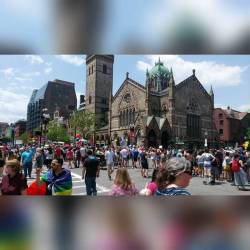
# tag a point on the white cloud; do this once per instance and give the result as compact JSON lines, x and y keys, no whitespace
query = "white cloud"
{"x":48,"y":70}
{"x":23,"y":79}
{"x":12,"y":106}
{"x":31,"y":74}
{"x":8,"y":72}
{"x":244,"y":108}
{"x":208,"y":72}
{"x":78,"y":98}
{"x":72,"y":59}
{"x":34,"y":59}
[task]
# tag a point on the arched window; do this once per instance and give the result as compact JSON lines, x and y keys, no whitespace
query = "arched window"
{"x":123,"y":118}
{"x":130,"y":116}
{"x":126,"y":118}
{"x":133,"y":117}
{"x":92,"y":69}
{"x":90,"y":99}
{"x":120,"y":119}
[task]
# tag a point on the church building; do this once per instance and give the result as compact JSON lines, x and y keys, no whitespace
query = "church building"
{"x":159,"y":112}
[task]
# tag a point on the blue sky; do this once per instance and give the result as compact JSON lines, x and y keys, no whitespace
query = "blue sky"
{"x":19,"y":75}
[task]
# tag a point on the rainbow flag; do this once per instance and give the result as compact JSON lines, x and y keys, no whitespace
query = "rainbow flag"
{"x":59,"y":185}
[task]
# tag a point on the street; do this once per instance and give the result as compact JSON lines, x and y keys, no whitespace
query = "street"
{"x":104,"y":185}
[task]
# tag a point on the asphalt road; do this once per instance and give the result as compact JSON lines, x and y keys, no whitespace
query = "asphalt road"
{"x":104,"y":185}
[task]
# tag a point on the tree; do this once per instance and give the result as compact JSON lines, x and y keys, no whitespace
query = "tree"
{"x":24,"y":137}
{"x":248,"y":134}
{"x":56,"y":132}
{"x":86,"y":122}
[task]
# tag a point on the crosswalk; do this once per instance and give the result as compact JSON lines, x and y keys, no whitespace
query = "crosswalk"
{"x":79,"y":187}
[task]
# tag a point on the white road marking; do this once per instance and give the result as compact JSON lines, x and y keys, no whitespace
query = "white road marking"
{"x":102,"y":189}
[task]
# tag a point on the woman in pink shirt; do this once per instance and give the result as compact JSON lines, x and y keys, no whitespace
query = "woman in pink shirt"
{"x":123,"y":185}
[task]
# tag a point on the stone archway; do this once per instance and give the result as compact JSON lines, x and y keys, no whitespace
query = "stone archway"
{"x":165,"y":139}
{"x":152,"y":138}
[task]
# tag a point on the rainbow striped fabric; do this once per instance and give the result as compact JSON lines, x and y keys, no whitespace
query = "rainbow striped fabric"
{"x":58,"y":185}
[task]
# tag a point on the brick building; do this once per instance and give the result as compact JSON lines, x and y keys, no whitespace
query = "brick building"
{"x":160,"y":112}
{"x":231,"y":125}
{"x":54,"y":96}
{"x":3,"y":129}
{"x":20,"y":128}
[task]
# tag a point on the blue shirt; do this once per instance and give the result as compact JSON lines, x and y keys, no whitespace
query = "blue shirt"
{"x":27,"y":157}
{"x":173,"y":191}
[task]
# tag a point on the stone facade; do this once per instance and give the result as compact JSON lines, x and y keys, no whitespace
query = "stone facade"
{"x":159,"y":113}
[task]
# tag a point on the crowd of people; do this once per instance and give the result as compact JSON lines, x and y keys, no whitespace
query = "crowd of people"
{"x":169,"y":170}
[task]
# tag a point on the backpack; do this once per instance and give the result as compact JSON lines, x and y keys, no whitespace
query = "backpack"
{"x":235,"y":166}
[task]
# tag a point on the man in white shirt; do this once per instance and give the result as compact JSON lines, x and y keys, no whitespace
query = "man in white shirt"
{"x":83,"y":152}
{"x":124,"y":155}
{"x":109,"y":156}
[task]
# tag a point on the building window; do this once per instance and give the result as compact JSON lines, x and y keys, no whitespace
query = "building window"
{"x":104,"y":69}
{"x":89,"y":71}
{"x":90,"y":99}
{"x":92,"y":69}
{"x":220,"y":116}
{"x":221,"y":131}
{"x":221,"y":122}
{"x":193,"y":126}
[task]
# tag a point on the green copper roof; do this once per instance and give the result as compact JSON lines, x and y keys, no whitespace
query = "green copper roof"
{"x":159,"y":70}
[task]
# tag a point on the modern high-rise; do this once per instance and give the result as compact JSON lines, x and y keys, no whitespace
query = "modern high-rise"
{"x":54,"y":96}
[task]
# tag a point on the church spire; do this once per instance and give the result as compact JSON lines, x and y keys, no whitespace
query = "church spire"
{"x":211,"y":92}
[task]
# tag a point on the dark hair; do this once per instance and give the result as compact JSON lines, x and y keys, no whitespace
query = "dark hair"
{"x":59,"y":160}
{"x":206,"y":150}
{"x":89,"y":152}
{"x":236,"y":156}
{"x":154,"y":174}
{"x":227,"y":154}
{"x":162,"y":178}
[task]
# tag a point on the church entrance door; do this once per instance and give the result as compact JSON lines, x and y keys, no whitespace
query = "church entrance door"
{"x":152,"y":140}
{"x":164,"y":139}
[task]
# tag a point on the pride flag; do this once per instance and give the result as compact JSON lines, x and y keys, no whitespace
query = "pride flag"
{"x":59,"y":185}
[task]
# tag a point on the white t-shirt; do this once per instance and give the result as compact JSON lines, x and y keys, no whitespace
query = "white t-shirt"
{"x":83,"y":151}
{"x":109,"y":155}
{"x":124,"y":153}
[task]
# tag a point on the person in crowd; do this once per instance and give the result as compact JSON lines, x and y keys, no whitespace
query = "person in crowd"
{"x":144,"y":163}
{"x":48,"y":157}
{"x":215,"y":170}
{"x":135,"y":154}
{"x":248,"y":165}
{"x":58,"y":153}
{"x":14,"y":182}
{"x":151,"y":187}
{"x":124,"y":153}
{"x":83,"y":151}
{"x":226,"y":167}
{"x":109,"y":156}
{"x":123,"y":185}
{"x":238,"y":174}
{"x":70,"y":157}
{"x":207,"y":158}
{"x":26,"y":161}
{"x":77,"y":157}
{"x":90,"y":172}
{"x":173,"y":180}
{"x":58,"y":179}
{"x":2,"y":160}
{"x":38,"y":158}
{"x":200,"y":164}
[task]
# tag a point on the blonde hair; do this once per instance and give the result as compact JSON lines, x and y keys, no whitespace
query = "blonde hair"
{"x":14,"y":164}
{"x":122,"y":179}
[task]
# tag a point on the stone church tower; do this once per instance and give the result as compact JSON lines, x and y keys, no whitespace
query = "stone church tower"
{"x":99,"y":84}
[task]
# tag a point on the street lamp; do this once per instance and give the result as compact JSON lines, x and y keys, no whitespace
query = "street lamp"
{"x":12,"y":127}
{"x":44,"y":120}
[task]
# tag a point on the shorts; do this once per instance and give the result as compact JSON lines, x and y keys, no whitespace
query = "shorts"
{"x":207,"y":165}
{"x":110,"y":165}
{"x":135,"y":159}
{"x":144,"y":165}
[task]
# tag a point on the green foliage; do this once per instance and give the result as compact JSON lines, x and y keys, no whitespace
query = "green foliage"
{"x":24,"y":137}
{"x":248,"y":134}
{"x":56,"y":132}
{"x":85,"y":122}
